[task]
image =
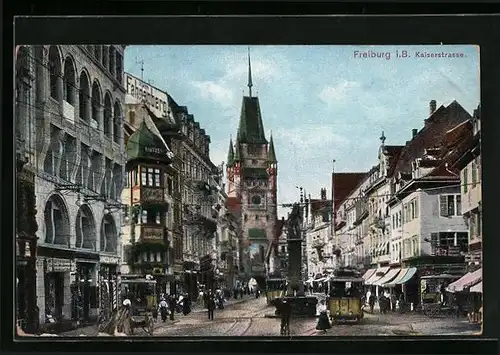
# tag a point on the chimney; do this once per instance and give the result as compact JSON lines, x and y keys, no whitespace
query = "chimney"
{"x":432,"y":106}
{"x":414,"y":132}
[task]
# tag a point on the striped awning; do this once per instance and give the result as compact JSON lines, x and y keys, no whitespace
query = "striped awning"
{"x":409,"y":274}
{"x":369,"y":273}
{"x":377,"y":275}
{"x":465,"y":281}
{"x":398,"y":278}
{"x":391,"y":274}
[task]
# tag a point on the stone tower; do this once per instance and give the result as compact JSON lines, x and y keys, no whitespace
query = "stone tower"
{"x":252,"y":170}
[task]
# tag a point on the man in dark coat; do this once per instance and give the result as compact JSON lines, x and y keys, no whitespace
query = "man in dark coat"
{"x":210,"y":306}
{"x":186,"y":305}
{"x":171,"y":305}
{"x":285,"y":311}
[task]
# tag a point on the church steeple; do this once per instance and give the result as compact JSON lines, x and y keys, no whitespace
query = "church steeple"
{"x":271,"y":155}
{"x":250,"y":84}
{"x":230,"y":154}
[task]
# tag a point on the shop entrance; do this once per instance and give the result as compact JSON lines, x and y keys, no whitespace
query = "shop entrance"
{"x":54,"y":295}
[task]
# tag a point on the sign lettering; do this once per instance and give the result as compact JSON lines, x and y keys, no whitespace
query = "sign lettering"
{"x":153,"y":150}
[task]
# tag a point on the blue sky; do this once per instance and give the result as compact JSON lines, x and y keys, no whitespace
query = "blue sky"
{"x":320,"y":102}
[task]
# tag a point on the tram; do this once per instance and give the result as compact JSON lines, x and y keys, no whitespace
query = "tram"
{"x":345,"y":289}
{"x":275,"y":288}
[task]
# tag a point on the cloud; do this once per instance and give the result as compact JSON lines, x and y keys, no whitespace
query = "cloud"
{"x":214,"y":91}
{"x":307,"y":137}
{"x":233,"y":77}
{"x":339,"y":92}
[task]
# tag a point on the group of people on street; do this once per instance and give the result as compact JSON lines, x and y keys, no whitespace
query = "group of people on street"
{"x":171,"y":304}
{"x":386,"y":301}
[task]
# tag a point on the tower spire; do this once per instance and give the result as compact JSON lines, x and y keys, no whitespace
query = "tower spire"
{"x":250,"y":84}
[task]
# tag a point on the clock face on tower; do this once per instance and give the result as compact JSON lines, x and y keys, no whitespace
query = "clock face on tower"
{"x":256,"y":200}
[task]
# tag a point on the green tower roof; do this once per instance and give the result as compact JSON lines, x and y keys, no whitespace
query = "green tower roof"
{"x":271,"y":156}
{"x":251,"y":128}
{"x":230,"y":154}
{"x":146,"y":145}
{"x":237,"y":156}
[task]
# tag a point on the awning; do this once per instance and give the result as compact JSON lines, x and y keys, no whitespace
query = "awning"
{"x":391,"y":274}
{"x":409,"y":274}
{"x":398,"y":278}
{"x":465,"y":281}
{"x":377,"y":275}
{"x":478,"y":288}
{"x":369,"y":273}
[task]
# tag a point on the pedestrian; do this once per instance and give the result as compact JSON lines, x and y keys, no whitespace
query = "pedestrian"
{"x":285,"y":311}
{"x":163,"y":310}
{"x":371,"y":302}
{"x":210,"y":306}
{"x":323,"y":321}
{"x":186,"y":306}
{"x":171,"y":305}
{"x":393,"y":301}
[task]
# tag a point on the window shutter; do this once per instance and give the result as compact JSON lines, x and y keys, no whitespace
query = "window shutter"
{"x":458,"y":209}
{"x":416,"y":208}
{"x":443,"y":205}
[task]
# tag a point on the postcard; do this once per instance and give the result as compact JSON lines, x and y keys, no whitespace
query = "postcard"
{"x":295,"y":191}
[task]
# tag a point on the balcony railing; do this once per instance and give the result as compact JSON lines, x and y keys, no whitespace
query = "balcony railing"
{"x":148,"y":233}
{"x":151,"y":194}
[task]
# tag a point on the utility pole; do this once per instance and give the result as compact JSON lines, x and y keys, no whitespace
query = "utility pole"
{"x":334,"y":215}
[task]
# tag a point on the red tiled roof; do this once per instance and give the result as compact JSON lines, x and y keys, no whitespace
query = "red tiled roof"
{"x":343,"y":184}
{"x":431,"y":135}
{"x":317,"y":204}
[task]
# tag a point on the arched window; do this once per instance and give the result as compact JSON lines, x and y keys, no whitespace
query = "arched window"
{"x":112,"y":60}
{"x":98,"y":52}
{"x":117,"y":122}
{"x":84,"y":97}
{"x":85,"y":229}
{"x":108,"y":118}
{"x":96,"y":102}
{"x":105,"y":56}
{"x":56,"y":222}
{"x":69,"y":81}
{"x":55,"y":73}
{"x":53,"y":158}
{"x":109,"y":235}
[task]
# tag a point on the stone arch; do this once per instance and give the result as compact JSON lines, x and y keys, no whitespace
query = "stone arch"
{"x":57,"y":222}
{"x":117,"y":118}
{"x":108,"y":114}
{"x":109,"y":234}
{"x":96,"y":100}
{"x":69,"y":80}
{"x":84,"y":95}
{"x":55,"y":71}
{"x":85,"y":228}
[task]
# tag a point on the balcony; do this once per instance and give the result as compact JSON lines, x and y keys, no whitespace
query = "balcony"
{"x":148,"y":194}
{"x":150,"y":234}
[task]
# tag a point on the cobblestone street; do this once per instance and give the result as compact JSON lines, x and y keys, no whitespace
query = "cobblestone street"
{"x":249,"y":319}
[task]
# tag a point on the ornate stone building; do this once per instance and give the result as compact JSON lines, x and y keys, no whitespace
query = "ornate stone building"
{"x":252,"y":179}
{"x":72,"y":125}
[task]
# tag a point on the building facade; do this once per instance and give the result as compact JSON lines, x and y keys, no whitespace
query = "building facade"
{"x":148,"y":195}
{"x":74,"y":135}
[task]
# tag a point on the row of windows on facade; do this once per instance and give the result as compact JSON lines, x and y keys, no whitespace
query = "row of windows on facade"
{"x":61,"y":161}
{"x":197,"y":137}
{"x":193,"y":168}
{"x":110,"y":59}
{"x":152,"y":216}
{"x":63,"y":89}
{"x":449,"y":206}
{"x":151,"y":257}
{"x":475,"y":171}
{"x":257,"y":217}
{"x":150,"y":177}
{"x":57,"y":228}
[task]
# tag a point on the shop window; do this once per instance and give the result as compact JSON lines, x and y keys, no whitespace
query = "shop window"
{"x":85,"y":229}
{"x":56,"y":221}
{"x":109,"y":235}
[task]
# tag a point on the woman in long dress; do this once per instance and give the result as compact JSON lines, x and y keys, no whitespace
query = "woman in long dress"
{"x":323,"y":321}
